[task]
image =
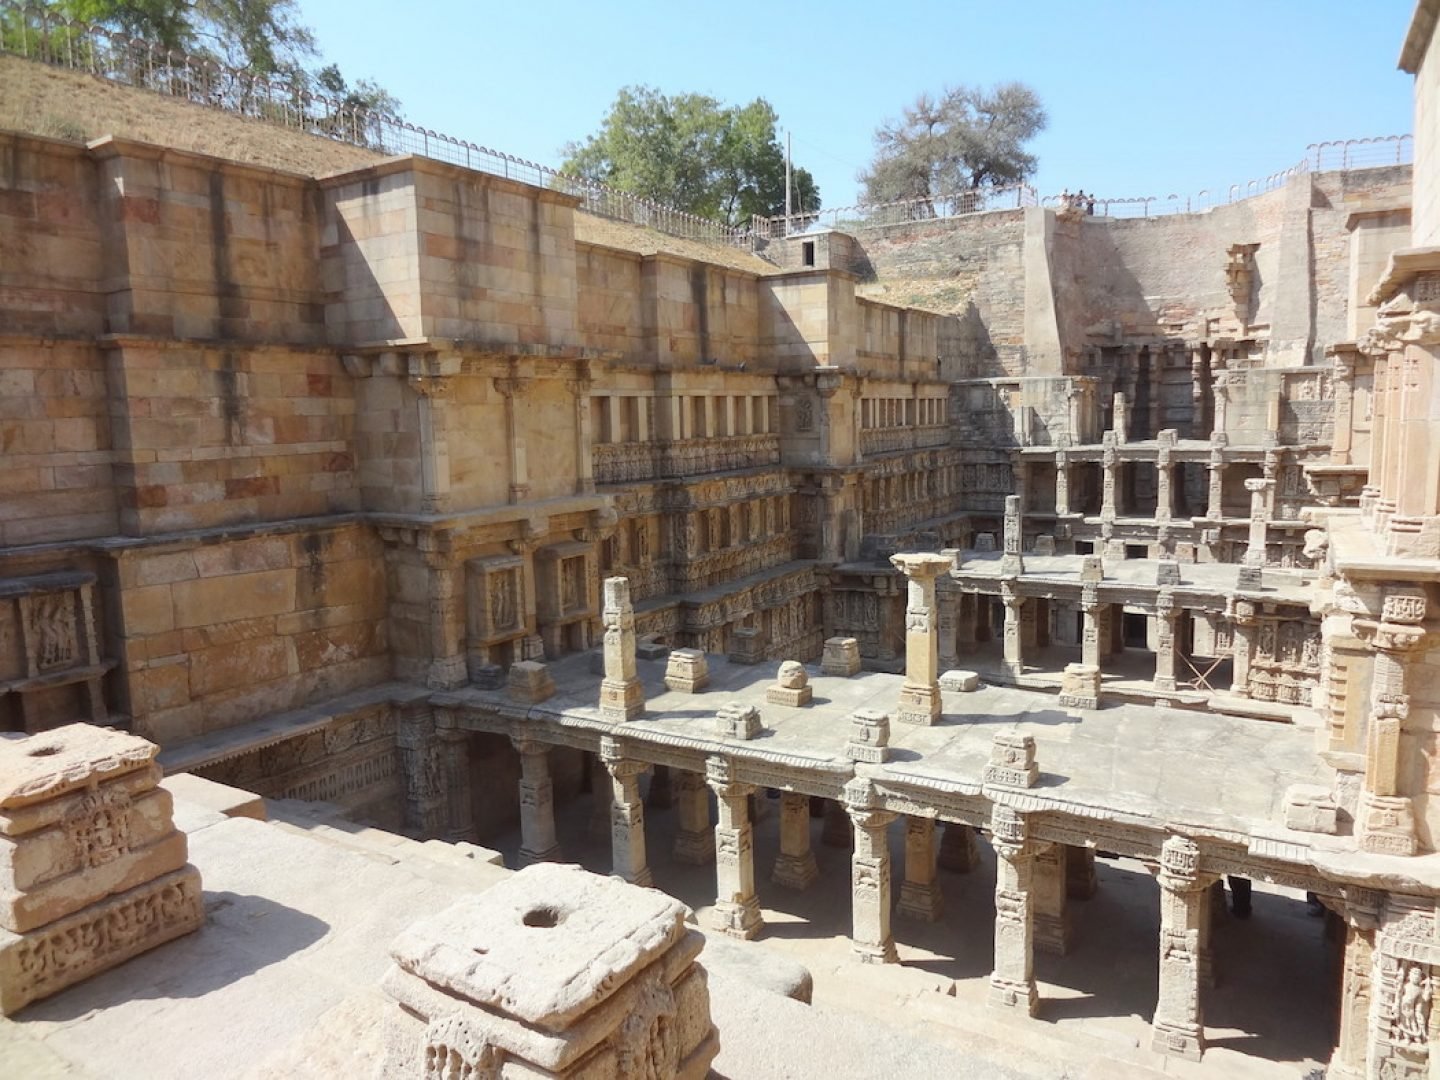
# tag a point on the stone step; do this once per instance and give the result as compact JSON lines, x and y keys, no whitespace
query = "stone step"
{"x":926,"y":1006}
{"x":464,"y":864}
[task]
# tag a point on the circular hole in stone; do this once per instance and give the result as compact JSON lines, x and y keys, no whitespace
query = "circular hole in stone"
{"x":43,"y":751}
{"x":541,"y":917}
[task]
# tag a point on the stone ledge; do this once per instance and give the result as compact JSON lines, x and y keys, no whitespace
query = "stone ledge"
{"x":258,"y":734}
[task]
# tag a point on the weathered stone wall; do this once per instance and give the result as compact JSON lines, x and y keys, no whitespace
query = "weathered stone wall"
{"x":199,"y":248}
{"x":1345,"y":271}
{"x":56,"y":482}
{"x":49,"y":230}
{"x":608,"y":285}
{"x":972,"y":266}
{"x":416,"y":248}
{"x":215,"y":633}
{"x":210,"y":434}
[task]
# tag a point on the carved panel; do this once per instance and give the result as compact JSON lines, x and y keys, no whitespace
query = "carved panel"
{"x":495,"y":599}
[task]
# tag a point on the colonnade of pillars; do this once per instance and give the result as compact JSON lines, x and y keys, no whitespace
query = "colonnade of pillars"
{"x":1035,"y":879}
{"x":965,"y":617}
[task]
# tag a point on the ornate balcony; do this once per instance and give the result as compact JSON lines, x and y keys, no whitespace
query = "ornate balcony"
{"x":619,"y":463}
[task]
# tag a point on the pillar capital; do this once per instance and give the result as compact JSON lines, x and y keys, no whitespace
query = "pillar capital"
{"x":1179,"y":867}
{"x":921,"y":565}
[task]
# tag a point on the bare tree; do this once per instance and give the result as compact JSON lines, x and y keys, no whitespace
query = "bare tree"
{"x":963,"y":140}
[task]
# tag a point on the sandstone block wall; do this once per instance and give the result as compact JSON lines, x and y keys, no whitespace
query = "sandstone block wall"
{"x":49,"y":231}
{"x":211,"y":635}
{"x":57,"y":481}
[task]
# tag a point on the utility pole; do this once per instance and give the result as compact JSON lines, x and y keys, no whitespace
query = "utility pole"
{"x":787,"y":182}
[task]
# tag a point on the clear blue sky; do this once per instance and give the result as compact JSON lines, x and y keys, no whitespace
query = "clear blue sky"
{"x":1145,"y":98}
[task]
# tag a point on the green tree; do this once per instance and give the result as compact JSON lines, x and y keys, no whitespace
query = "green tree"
{"x":260,"y":37}
{"x":965,"y":139}
{"x":692,"y":152}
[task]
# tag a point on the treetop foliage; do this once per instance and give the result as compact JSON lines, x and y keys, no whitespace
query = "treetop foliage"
{"x":261,"y":36}
{"x":966,"y":138}
{"x":692,"y":152}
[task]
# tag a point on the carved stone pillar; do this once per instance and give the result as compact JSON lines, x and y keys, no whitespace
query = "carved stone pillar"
{"x":1342,"y":379}
{"x":1032,"y":617}
{"x":1222,"y":399}
{"x":1164,"y":499}
{"x":580,"y":387}
{"x":1090,"y":625}
{"x":427,"y":803}
{"x":835,"y":828}
{"x":661,"y":795}
{"x":1013,"y":663}
{"x":1245,"y":627}
{"x":1052,"y":916}
{"x":870,"y":937}
{"x":627,"y":813}
{"x":1062,"y":484}
{"x":1012,"y":983}
{"x":695,"y":839}
{"x":737,"y":908}
{"x":920,"y":693}
{"x":1178,"y":1027}
{"x":537,"y":804}
{"x":622,"y":697}
{"x":1385,"y":820}
{"x":446,"y":579}
{"x":1215,"y":494}
{"x":515,"y":390}
{"x":965,"y":623}
{"x":433,"y":421}
{"x":1254,"y":560}
{"x":1080,"y":880}
{"x":454,"y":750}
{"x":1109,"y":465}
{"x":1357,"y":993}
{"x":795,"y":867}
{"x":959,"y":851}
{"x":947,"y":599}
{"x":920,"y":891}
{"x":1011,"y":560}
{"x":1166,"y":615}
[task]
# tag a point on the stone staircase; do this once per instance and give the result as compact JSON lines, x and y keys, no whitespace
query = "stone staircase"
{"x":460,"y":864}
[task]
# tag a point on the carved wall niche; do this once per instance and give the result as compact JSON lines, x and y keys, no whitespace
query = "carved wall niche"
{"x":495,"y":614}
{"x":50,"y":662}
{"x":567,"y":598}
{"x":495,"y":599}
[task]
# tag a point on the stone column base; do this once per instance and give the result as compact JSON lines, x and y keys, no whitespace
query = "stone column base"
{"x":919,"y":705}
{"x":738,"y":920}
{"x":621,"y":700}
{"x":1177,"y":1040}
{"x":550,"y":854}
{"x":795,"y":871}
{"x":1012,"y":995}
{"x":921,"y":901}
{"x":875,"y":954}
{"x":1385,"y":824}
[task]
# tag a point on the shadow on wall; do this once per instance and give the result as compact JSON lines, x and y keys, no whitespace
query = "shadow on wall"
{"x":1096,"y":294}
